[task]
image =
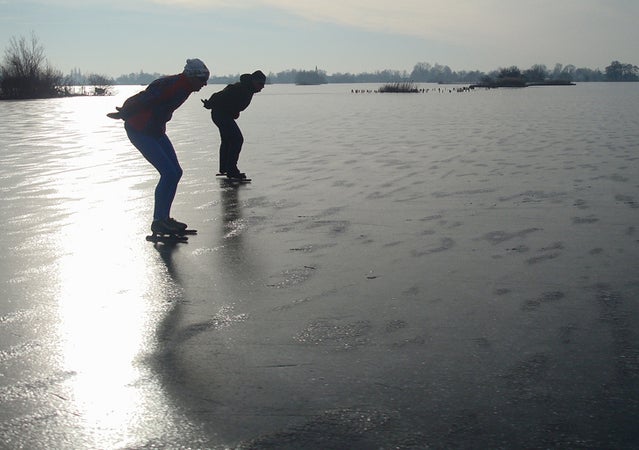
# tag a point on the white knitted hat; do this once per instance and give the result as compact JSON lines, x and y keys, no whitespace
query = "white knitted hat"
{"x":196,"y":68}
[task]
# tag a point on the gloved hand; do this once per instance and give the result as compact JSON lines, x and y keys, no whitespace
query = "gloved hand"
{"x":116,"y":115}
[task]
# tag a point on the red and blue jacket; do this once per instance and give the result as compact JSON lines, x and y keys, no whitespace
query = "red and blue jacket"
{"x":148,"y":111}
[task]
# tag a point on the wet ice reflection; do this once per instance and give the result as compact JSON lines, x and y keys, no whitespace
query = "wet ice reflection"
{"x":110,"y":286}
{"x":101,"y":324}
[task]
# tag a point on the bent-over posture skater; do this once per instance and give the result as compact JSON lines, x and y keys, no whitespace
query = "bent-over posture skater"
{"x":145,"y":115}
{"x":225,"y":107}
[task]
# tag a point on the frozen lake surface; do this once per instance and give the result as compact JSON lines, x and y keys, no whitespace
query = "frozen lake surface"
{"x":436,"y":270}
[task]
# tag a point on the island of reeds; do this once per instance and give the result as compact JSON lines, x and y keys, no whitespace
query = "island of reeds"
{"x":404,"y":86}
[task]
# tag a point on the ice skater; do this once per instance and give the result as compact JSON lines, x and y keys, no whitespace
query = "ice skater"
{"x":225,"y":107}
{"x":145,"y":115}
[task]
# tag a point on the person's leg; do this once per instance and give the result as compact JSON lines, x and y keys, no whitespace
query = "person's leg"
{"x":223,"y":155}
{"x":159,"y":151}
{"x":170,"y":178}
{"x":219,"y":122}
{"x":234,"y":149}
{"x":232,"y":141}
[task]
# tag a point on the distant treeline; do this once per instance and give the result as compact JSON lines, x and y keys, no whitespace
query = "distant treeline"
{"x":425,"y":73}
{"x":26,"y":74}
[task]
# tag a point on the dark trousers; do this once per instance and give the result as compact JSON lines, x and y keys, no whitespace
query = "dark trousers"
{"x":231,"y":142}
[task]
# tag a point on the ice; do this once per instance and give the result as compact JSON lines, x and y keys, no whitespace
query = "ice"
{"x":443,"y":270}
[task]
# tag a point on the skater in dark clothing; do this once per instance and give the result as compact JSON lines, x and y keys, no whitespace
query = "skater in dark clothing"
{"x":145,"y":115}
{"x":225,"y":107}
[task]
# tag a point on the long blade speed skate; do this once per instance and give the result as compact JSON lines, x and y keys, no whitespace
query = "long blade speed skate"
{"x":166,"y":238}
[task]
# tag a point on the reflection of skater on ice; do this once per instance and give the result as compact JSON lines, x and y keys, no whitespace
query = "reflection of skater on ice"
{"x":225,"y":107}
{"x":145,"y":115}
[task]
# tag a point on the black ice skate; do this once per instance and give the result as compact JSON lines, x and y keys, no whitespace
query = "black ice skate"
{"x":169,"y":230}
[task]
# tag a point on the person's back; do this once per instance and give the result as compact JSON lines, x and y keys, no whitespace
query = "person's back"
{"x":149,"y":110}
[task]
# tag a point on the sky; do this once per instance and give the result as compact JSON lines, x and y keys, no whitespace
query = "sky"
{"x":115,"y":37}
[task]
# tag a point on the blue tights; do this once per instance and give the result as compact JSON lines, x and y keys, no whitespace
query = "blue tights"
{"x":159,"y":151}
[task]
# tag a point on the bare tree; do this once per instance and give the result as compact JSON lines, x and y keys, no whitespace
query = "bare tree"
{"x":537,"y":73}
{"x":23,"y":59}
{"x":617,"y":71}
{"x":102,"y":85}
{"x":26,"y":72}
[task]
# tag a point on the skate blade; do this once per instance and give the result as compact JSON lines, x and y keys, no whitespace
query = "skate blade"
{"x":166,"y":238}
{"x":187,"y":231}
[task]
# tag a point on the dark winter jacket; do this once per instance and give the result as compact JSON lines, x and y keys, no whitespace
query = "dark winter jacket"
{"x":233,"y":99}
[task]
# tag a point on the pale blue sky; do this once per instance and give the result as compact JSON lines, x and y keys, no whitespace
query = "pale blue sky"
{"x":233,"y":36}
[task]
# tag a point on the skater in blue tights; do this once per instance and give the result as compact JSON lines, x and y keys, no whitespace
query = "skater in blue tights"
{"x":145,"y":116}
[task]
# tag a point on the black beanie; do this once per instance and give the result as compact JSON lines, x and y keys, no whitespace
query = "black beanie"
{"x":259,"y":76}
